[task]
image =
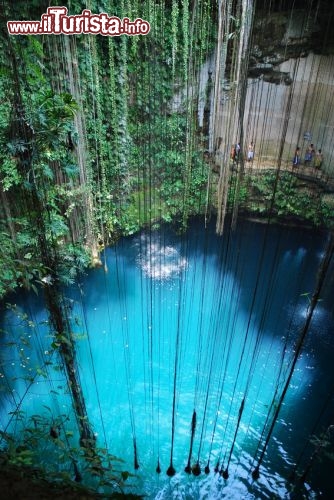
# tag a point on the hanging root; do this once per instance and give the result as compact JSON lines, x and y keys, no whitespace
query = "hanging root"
{"x":77,"y":474}
{"x":193,"y":429}
{"x":193,"y":424}
{"x":256,"y":473}
{"x":187,"y":468}
{"x":171,"y":471}
{"x":87,"y":440}
{"x":158,"y":469}
{"x":225,"y":473}
{"x":54,"y":432}
{"x":136,"y":463}
{"x":196,"y":469}
{"x":207,"y":469}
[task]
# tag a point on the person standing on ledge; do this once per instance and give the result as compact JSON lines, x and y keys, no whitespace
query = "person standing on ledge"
{"x":319,"y":158}
{"x":250,"y":155}
{"x":233,"y":153}
{"x":296,"y":158}
{"x":237,"y":151}
{"x":309,"y":156}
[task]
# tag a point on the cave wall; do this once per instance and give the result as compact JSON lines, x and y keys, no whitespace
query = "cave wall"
{"x":306,"y":103}
{"x":290,"y":89}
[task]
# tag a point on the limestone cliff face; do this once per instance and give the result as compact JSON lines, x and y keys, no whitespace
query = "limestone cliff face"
{"x":280,"y":36}
{"x":290,"y":83}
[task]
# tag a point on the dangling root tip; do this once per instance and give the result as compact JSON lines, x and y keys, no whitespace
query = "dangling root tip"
{"x":196,"y":470}
{"x":171,"y":471}
{"x":256,"y":473}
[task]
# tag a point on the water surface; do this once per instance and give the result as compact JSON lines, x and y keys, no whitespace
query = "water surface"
{"x":192,"y":321}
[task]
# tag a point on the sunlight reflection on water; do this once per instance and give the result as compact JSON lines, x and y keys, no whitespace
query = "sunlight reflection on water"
{"x":159,"y":261}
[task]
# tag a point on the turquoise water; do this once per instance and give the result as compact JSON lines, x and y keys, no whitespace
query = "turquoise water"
{"x":189,"y":322}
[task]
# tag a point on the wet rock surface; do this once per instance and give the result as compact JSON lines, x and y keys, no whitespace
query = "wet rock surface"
{"x":280,"y":36}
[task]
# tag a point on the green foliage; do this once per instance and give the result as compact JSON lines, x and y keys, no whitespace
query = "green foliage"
{"x":174,"y":30}
{"x":324,"y":444}
{"x":73,"y":260}
{"x":9,"y":173}
{"x":46,"y":444}
{"x":18,"y":263}
{"x":285,"y":197}
{"x":238,"y":192}
{"x":327,"y":210}
{"x":161,"y":189}
{"x":34,"y":156}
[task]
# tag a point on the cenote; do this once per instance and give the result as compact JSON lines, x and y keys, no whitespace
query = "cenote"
{"x":173,"y":324}
{"x":166,"y":250}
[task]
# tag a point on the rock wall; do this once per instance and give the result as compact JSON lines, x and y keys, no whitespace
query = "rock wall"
{"x":280,"y":117}
{"x":290,"y":90}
